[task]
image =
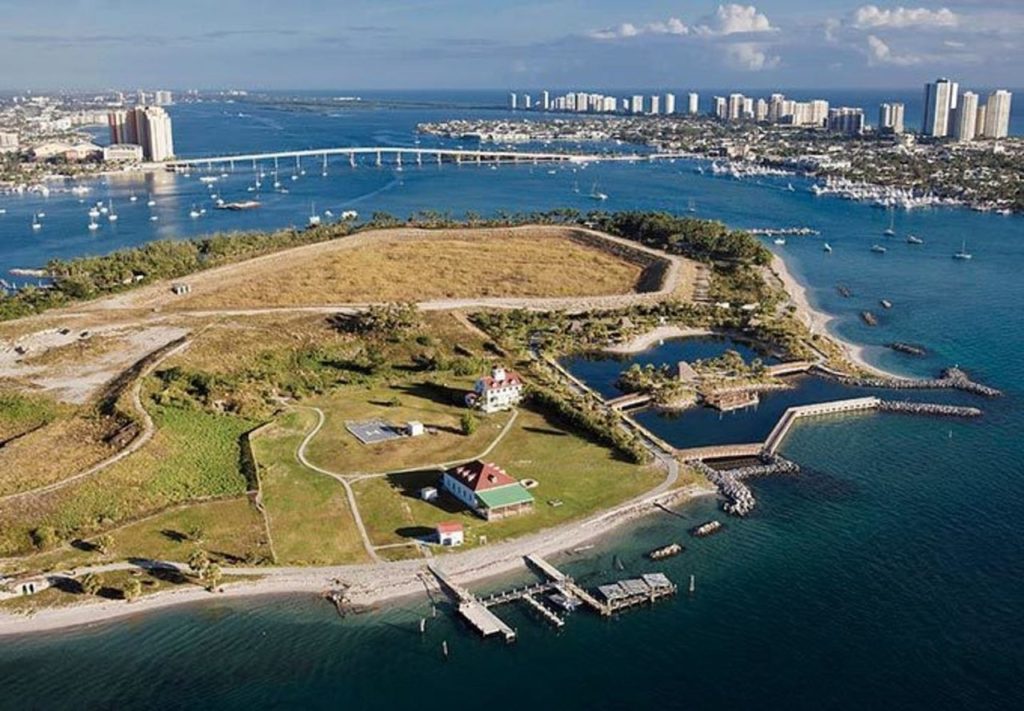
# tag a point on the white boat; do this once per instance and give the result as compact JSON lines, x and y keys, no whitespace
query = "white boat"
{"x":36,"y":224}
{"x":111,"y":215}
{"x":93,"y":225}
{"x":596,"y":194}
{"x":878,"y":249}
{"x":827,"y":247}
{"x":891,"y":229}
{"x":963,"y":254}
{"x":193,"y":213}
{"x":153,"y":218}
{"x":151,"y":203}
{"x":94,"y":213}
{"x":911,"y":239}
{"x":41,"y":214}
{"x":314,"y":219}
{"x":790,"y":188}
{"x":781,"y":241}
{"x":133,"y":197}
{"x":691,"y":207}
{"x":3,"y":210}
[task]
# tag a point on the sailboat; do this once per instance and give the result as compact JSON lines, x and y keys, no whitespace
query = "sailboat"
{"x":878,"y":249}
{"x":827,"y":248}
{"x":93,"y":225}
{"x":193,"y":213}
{"x":911,"y":239}
{"x":596,"y":194}
{"x":36,"y":224}
{"x":891,"y":229}
{"x":963,"y":254}
{"x":111,"y":215}
{"x":151,"y":202}
{"x":94,"y":212}
{"x":691,"y":206}
{"x":314,"y":219}
{"x":132,"y":196}
{"x":790,"y":188}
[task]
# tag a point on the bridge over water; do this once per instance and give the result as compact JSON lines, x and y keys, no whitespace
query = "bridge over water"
{"x":397,"y":155}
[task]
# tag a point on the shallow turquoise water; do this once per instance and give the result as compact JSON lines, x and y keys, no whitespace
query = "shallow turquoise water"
{"x":887,"y":574}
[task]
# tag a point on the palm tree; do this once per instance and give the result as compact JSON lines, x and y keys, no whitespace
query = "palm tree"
{"x":91,"y":584}
{"x":132,"y":589}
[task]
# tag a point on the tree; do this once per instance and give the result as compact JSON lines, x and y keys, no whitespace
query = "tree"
{"x":104,"y":543}
{"x":468,"y":422}
{"x":132,"y":589}
{"x":44,"y":537}
{"x":212,"y":577}
{"x":198,"y":534}
{"x":91,"y":583}
{"x":199,"y":562}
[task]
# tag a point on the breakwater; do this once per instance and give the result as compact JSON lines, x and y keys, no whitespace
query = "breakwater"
{"x":927,"y":408}
{"x":950,"y":379}
{"x":739,"y":499}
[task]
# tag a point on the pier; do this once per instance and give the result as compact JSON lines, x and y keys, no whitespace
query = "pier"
{"x":478,"y":615}
{"x":394,"y":155}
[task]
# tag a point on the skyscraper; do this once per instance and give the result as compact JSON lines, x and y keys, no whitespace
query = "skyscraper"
{"x":938,"y":100}
{"x":890,"y":118}
{"x":545,"y":100}
{"x":670,"y":103}
{"x":655,"y":104}
{"x":845,"y":119}
{"x":117,"y":120}
{"x":154,"y":134}
{"x":526,"y":101}
{"x":637,"y":104}
{"x":965,"y":117}
{"x":736,"y":106}
{"x":997,"y":114}
{"x":721,"y":108}
{"x":163,"y":98}
{"x":512,"y":100}
{"x":694,"y":102}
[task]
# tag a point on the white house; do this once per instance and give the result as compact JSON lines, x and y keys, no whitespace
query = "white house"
{"x":487,"y":490}
{"x":450,"y":534}
{"x":501,"y":390}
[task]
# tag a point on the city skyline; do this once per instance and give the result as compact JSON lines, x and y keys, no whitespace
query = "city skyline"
{"x":557,"y":43}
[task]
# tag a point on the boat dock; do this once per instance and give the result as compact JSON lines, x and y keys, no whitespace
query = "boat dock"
{"x":478,"y":615}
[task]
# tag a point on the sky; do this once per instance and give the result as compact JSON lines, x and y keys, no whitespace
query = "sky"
{"x":506,"y":44}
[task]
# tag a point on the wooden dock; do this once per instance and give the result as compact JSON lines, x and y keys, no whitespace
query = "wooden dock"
{"x":472,"y":610}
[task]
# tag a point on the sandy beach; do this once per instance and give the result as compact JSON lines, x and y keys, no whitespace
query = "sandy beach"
{"x":652,"y":338}
{"x":367,"y":585}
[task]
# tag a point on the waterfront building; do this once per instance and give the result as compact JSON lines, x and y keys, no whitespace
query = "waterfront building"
{"x":117,"y":120}
{"x":748,"y":107}
{"x":890,"y":118}
{"x":154,"y":133}
{"x":818,"y":113}
{"x":965,"y":117}
{"x":582,"y":102}
{"x":693,"y":102}
{"x":846,"y":119}
{"x":979,"y":122}
{"x":655,"y":105}
{"x":526,"y":101}
{"x":776,"y":106}
{"x":450,"y":533}
{"x":163,"y":98}
{"x":938,"y":102}
{"x":545,"y":100}
{"x":997,"y":114}
{"x":513,"y":100}
{"x":761,"y":110}
{"x":735,"y":109}
{"x":609,"y":104}
{"x":670,"y":103}
{"x":487,"y":490}
{"x":721,"y":108}
{"x":122,"y":153}
{"x":636,"y":104}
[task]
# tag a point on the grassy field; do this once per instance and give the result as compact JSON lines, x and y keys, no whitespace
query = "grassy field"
{"x":193,"y":455}
{"x":408,"y":265}
{"x":112,"y":586}
{"x":310,"y":520}
{"x":583,"y":476}
{"x":438,"y":408}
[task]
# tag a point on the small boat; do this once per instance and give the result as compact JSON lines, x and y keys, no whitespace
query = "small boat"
{"x":193,"y":213}
{"x":151,"y":202}
{"x":886,"y":304}
{"x":790,"y":188}
{"x":878,"y":249}
{"x":891,"y":229}
{"x":827,"y":248}
{"x":565,"y":602}
{"x":93,"y":226}
{"x":869,"y":318}
{"x":314,"y":219}
{"x":911,"y":239}
{"x":36,"y":224}
{"x":665,"y":551}
{"x":3,"y":210}
{"x":844,"y":291}
{"x":41,"y":214}
{"x":706,"y":529}
{"x":907,"y":348}
{"x":153,"y":218}
{"x":111,"y":215}
{"x":691,"y":207}
{"x":780,"y":241}
{"x":133,"y":197}
{"x":596,"y":194}
{"x":963,"y":254}
{"x":94,"y":213}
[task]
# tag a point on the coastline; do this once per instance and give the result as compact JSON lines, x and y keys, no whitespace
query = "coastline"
{"x":641,"y":343}
{"x":369,"y":585}
{"x":818,"y":321}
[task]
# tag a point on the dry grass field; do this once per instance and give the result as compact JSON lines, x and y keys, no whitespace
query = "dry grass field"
{"x":416,"y":265}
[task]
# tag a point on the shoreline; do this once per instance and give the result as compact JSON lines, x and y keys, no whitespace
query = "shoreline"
{"x":369,"y":584}
{"x":818,"y":321}
{"x":644,"y":341}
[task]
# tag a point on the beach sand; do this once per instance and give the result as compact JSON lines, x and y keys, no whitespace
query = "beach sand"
{"x":652,"y":338}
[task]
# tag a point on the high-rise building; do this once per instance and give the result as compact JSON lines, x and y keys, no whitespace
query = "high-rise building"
{"x":997,"y":114}
{"x":979,"y":122}
{"x":721,"y":108}
{"x":513,"y":100}
{"x":637,"y":104}
{"x":818,"y":113}
{"x":938,"y":100}
{"x":890,"y":118}
{"x":655,"y":105}
{"x":670,"y":103}
{"x":776,"y":108}
{"x":145,"y":126}
{"x":527,"y":101}
{"x":693,"y":105}
{"x":965,"y":117}
{"x":582,"y":102}
{"x":545,"y":100}
{"x":736,"y":106}
{"x":120,"y":130}
{"x":761,"y":110}
{"x":163,"y":98}
{"x":845,"y":119}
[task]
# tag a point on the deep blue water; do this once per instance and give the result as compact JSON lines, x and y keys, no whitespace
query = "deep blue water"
{"x":886,"y":575}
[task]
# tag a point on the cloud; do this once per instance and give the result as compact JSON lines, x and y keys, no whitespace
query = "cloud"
{"x":880,"y":53}
{"x":735,"y":19}
{"x":872,"y":16}
{"x":671,"y":26}
{"x":749,"y":56}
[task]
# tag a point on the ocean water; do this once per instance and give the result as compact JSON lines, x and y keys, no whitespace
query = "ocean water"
{"x":887,"y":574}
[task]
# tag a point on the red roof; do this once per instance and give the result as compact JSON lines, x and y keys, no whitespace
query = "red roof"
{"x":480,"y":476}
{"x":449,"y":527}
{"x":511,"y":379}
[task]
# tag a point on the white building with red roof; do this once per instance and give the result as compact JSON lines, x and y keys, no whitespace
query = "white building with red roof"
{"x":450,"y":533}
{"x":501,"y":390}
{"x":487,"y":489}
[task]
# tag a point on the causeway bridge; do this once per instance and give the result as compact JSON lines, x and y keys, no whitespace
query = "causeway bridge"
{"x":393,"y":155}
